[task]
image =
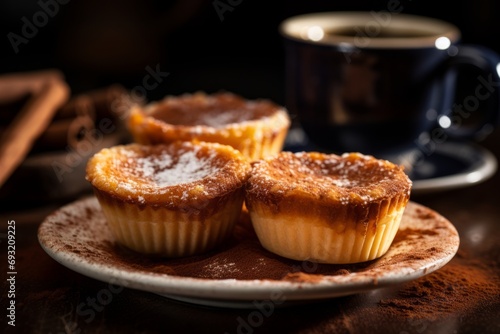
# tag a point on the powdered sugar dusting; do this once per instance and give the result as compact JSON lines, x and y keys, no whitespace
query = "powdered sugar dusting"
{"x":149,"y":166}
{"x":219,"y":268}
{"x":222,"y":118}
{"x":187,"y":169}
{"x":165,"y":171}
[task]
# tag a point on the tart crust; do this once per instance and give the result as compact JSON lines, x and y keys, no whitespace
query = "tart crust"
{"x":327,"y":208}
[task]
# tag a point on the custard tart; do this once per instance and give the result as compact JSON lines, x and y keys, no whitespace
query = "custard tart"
{"x":257,"y":128}
{"x":327,"y":208}
{"x":171,"y":200}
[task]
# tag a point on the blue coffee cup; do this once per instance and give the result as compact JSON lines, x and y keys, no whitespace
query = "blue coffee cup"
{"x":379,"y":82}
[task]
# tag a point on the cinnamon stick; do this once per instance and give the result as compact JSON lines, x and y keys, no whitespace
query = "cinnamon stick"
{"x":32,"y":120}
{"x":14,"y":86}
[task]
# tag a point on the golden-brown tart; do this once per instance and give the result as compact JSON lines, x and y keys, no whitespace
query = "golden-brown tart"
{"x":327,"y":208}
{"x":169,"y":200}
{"x":256,"y":128}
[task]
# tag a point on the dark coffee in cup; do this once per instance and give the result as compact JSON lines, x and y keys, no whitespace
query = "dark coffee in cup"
{"x":375,"y":86}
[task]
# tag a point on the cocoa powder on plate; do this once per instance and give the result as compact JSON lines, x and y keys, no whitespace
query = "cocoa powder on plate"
{"x":462,"y":285}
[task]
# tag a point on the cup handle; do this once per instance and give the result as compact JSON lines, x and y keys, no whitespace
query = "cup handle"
{"x":487,"y":90}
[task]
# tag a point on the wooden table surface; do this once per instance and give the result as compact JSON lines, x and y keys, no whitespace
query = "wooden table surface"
{"x":49,"y":298}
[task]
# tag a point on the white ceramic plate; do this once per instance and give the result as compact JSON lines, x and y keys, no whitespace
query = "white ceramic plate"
{"x":78,"y":237}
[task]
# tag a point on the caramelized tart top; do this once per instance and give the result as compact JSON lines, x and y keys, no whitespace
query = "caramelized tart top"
{"x":168,"y":175}
{"x":328,"y":179}
{"x":216,"y":110}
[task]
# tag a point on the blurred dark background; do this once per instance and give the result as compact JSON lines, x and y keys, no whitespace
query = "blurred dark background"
{"x":236,"y":47}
